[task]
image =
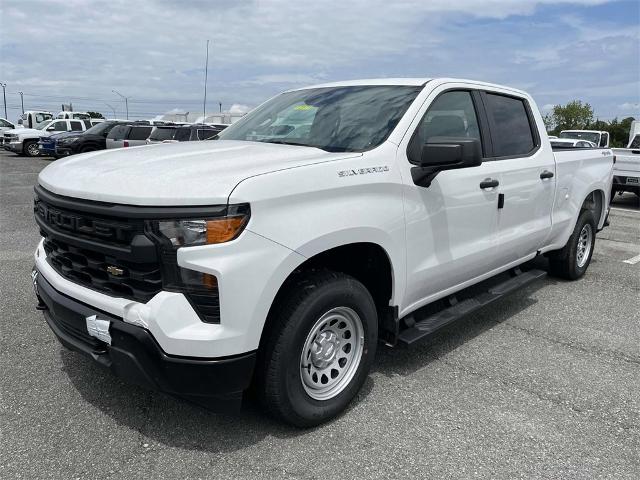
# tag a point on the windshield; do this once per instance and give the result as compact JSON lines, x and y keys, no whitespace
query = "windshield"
{"x":590,"y":136}
{"x":42,"y":125}
{"x":101,"y":128}
{"x":335,"y":119}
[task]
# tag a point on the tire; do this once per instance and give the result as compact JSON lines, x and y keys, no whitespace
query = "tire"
{"x":30,"y":148}
{"x":573,"y":260}
{"x":322,"y":309}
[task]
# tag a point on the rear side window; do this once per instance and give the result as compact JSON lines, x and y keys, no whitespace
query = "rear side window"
{"x":139,"y":133}
{"x":76,"y":126}
{"x":119,"y":132}
{"x":511,"y":131}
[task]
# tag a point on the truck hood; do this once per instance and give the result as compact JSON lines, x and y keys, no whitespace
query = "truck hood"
{"x":188,"y":173}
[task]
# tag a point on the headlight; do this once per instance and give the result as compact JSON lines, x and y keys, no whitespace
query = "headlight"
{"x":66,"y":141}
{"x":192,"y":232}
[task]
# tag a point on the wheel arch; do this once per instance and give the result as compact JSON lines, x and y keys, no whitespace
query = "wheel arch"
{"x":366,"y":261}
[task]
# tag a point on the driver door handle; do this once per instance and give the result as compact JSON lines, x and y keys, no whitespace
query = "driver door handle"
{"x":489,"y":183}
{"x":546,"y":174}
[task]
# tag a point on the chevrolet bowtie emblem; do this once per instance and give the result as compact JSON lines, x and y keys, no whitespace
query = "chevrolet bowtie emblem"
{"x":115,"y":271}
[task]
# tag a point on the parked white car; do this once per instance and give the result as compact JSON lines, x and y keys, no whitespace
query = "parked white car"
{"x":24,"y":141}
{"x":5,"y":125}
{"x":571,"y":143}
{"x":198,"y":267}
{"x":597,"y":137}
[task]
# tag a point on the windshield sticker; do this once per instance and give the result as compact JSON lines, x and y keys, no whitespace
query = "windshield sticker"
{"x":303,"y":107}
{"x":363,"y":171}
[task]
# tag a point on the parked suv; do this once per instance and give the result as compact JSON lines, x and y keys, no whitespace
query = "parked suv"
{"x":162,"y":133}
{"x":128,"y":135}
{"x":93,"y":139}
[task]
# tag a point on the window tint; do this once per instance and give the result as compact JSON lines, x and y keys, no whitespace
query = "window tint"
{"x":76,"y":126}
{"x":119,"y":132}
{"x":139,"y":133}
{"x":61,"y":126}
{"x":205,"y":134}
{"x":510,"y":128}
{"x":4,"y":123}
{"x":451,"y":115}
{"x":183,"y":134}
{"x":163,"y":133}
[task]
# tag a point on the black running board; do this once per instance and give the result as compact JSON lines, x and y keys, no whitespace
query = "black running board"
{"x":457,"y":310}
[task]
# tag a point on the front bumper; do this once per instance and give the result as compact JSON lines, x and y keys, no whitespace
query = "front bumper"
{"x":15,"y":147}
{"x":63,"y":151}
{"x":135,"y":356}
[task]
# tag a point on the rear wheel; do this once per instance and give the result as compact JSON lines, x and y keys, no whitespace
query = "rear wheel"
{"x":573,"y":260}
{"x":30,"y":148}
{"x":319,"y":350}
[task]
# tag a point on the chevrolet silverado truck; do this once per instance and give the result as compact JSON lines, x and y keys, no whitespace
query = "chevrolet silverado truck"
{"x":24,"y":141}
{"x":276,"y":266}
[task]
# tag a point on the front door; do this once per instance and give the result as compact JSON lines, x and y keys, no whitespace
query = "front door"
{"x":452,"y":224}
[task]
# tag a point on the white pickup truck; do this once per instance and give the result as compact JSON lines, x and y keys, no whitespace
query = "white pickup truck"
{"x":24,"y":141}
{"x":201,"y":269}
{"x":626,"y":171}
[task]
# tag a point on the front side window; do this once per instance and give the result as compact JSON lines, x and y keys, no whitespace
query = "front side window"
{"x":183,"y":134}
{"x":452,"y":114}
{"x":511,"y":131}
{"x":76,"y":126}
{"x":61,"y":126}
{"x":335,"y":119}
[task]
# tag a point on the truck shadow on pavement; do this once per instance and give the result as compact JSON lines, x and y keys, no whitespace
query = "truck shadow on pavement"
{"x":157,"y":417}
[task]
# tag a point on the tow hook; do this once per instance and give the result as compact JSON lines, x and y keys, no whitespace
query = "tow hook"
{"x":34,"y":279}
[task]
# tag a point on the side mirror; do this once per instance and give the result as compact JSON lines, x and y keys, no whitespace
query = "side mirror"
{"x":444,"y":153}
{"x":51,"y":129}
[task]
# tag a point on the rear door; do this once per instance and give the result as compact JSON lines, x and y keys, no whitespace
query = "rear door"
{"x":527,"y":178}
{"x":77,"y":126}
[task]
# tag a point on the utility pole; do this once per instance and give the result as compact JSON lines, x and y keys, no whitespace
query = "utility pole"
{"x":126,"y":101}
{"x":220,"y":103}
{"x":112,"y":109}
{"x":22,"y":101}
{"x":4,"y":96}
{"x":206,"y":74}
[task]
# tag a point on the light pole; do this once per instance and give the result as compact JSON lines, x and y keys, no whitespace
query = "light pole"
{"x":113,"y":109}
{"x":22,"y":101}
{"x":126,"y":101}
{"x":4,"y":96}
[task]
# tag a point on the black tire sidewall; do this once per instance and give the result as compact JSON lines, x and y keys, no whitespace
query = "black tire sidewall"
{"x":28,"y":144}
{"x":347,"y":292}
{"x":574,"y":270}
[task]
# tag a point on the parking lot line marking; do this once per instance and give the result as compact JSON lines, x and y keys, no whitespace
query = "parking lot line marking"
{"x":633,"y":260}
{"x":625,"y":209}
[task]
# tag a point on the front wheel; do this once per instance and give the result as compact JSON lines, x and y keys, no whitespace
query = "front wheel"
{"x":31,"y":149}
{"x":319,"y":350}
{"x":573,"y":260}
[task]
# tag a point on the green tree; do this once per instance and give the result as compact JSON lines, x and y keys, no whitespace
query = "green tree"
{"x":574,"y":115}
{"x":95,"y":114}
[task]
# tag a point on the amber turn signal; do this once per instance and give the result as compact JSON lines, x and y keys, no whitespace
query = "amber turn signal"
{"x":224,"y":229}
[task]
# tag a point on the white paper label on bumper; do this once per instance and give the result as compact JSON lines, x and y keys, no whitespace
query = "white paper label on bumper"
{"x":99,"y":328}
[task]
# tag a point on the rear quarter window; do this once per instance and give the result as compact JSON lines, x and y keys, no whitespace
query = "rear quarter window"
{"x":119,"y":132}
{"x":511,"y":129}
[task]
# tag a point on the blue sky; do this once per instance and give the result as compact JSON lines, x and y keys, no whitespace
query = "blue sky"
{"x":153,"y":51}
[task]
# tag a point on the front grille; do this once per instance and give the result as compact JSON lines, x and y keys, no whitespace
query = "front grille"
{"x":138,"y":281}
{"x":108,"y":254}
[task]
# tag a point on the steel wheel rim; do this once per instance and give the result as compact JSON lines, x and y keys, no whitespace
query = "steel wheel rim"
{"x":32,"y":148}
{"x":585,"y":241}
{"x":331,"y":353}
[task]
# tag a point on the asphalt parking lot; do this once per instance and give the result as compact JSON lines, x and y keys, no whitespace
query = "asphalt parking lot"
{"x":543,"y":384}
